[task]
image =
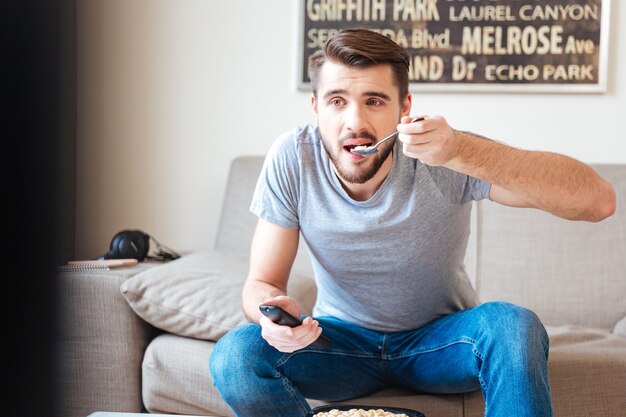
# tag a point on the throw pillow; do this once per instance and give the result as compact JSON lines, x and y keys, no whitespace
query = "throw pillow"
{"x":198,"y":295}
{"x":620,"y":328}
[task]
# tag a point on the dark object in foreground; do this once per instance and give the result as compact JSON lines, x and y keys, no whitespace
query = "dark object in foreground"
{"x":346,"y":407}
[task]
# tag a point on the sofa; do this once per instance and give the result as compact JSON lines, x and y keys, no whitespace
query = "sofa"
{"x":140,"y":339}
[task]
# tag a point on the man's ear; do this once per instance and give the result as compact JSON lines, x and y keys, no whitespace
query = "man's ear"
{"x":314,"y":106}
{"x":407,"y":104}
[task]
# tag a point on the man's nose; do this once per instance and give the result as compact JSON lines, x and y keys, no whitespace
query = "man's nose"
{"x":356,"y":120}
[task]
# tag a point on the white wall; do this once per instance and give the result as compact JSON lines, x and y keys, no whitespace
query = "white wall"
{"x":170,"y":91}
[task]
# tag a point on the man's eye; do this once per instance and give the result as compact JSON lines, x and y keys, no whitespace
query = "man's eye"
{"x":336,"y":102}
{"x":374,"y":102}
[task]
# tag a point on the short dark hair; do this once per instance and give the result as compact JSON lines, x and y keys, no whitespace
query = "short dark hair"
{"x":362,"y":48}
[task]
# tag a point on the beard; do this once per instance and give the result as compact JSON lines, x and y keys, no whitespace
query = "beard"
{"x":366,"y":168}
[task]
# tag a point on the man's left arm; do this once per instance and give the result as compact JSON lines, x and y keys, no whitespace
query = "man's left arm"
{"x":548,"y":181}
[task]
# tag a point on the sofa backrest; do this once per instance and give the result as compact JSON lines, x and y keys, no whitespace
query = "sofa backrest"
{"x":567,"y":272}
{"x":237,"y":223}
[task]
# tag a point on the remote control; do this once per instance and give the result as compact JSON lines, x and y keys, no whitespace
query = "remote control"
{"x":281,"y":317}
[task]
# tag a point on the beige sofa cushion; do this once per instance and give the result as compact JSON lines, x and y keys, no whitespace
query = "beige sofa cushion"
{"x":196,"y":296}
{"x":588,"y":372}
{"x":176,"y":378}
{"x":199,"y":295}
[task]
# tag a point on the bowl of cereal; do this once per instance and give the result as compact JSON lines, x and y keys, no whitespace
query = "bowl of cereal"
{"x":352,"y":410}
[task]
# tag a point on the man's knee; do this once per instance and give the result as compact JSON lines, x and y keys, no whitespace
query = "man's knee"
{"x":235,"y":355}
{"x":515,"y":325}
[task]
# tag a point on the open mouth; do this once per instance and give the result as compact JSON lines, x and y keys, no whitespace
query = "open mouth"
{"x":351,"y":146}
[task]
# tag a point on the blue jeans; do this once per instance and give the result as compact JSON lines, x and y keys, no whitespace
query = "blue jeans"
{"x":497,"y":347}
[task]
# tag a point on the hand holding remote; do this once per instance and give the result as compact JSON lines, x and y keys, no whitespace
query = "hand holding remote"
{"x":283,"y":318}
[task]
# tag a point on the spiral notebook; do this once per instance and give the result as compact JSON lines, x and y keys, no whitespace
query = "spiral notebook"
{"x":100,"y":264}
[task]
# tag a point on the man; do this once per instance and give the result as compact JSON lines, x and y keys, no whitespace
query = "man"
{"x":387,"y":235}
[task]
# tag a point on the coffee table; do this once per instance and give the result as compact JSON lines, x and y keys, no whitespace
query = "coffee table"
{"x":119,"y":414}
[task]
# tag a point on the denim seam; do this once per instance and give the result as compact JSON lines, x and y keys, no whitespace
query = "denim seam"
{"x":287,"y":383}
{"x":383,"y":346}
{"x":466,"y":340}
{"x":288,"y":356}
{"x":480,"y":376}
{"x":292,"y":393}
{"x":384,"y":363}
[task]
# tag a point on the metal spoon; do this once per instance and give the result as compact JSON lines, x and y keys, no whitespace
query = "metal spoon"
{"x":371,"y":150}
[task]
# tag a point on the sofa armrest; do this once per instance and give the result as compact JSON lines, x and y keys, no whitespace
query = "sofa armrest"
{"x":101,"y":343}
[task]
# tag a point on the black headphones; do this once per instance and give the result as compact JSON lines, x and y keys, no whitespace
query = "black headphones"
{"x":136,"y":244}
{"x":128,"y":244}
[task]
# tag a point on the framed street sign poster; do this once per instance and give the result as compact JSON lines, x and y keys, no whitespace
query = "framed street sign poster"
{"x":477,"y":45}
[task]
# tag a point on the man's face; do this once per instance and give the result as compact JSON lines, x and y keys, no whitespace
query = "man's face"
{"x":357,"y":107}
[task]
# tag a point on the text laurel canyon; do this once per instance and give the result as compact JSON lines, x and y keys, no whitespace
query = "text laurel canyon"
{"x":428,"y":10}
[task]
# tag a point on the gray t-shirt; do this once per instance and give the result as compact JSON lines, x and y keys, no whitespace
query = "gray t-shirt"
{"x":391,"y":263}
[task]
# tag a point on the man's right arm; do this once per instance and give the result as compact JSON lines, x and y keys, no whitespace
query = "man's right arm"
{"x":271,"y":258}
{"x":272,"y":254}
